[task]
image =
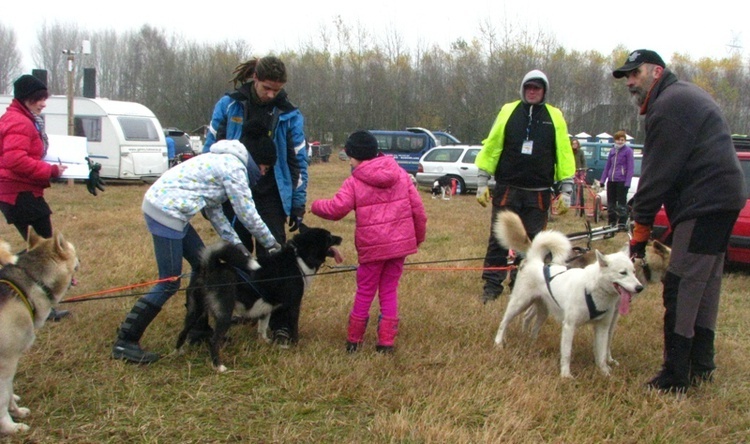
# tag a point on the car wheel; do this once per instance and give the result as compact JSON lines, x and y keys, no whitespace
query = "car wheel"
{"x":460,"y":186}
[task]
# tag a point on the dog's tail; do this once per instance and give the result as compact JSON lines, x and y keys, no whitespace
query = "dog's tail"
{"x":510,"y":233}
{"x":552,"y":243}
{"x":222,"y":253}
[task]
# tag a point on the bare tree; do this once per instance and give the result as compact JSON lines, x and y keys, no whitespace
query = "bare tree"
{"x":10,"y":58}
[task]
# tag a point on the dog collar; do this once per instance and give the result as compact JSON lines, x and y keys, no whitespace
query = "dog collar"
{"x":21,"y":295}
{"x":593,"y":312}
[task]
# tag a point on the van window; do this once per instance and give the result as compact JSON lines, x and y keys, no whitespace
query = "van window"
{"x":138,"y":129}
{"x":88,"y":127}
{"x":405,"y":144}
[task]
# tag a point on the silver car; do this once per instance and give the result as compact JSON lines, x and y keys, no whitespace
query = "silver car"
{"x":456,"y":161}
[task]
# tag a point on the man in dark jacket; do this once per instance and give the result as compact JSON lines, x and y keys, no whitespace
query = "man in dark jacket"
{"x":690,"y":166}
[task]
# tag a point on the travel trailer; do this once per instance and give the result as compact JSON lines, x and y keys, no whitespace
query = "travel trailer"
{"x":124,"y":137}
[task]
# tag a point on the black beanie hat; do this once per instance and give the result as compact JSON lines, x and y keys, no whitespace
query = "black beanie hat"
{"x":26,"y":85}
{"x":263,"y":150}
{"x":361,"y":145}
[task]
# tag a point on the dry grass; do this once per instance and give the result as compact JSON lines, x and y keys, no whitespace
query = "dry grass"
{"x":446,"y":382}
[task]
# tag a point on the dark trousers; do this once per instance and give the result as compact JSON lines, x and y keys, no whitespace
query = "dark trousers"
{"x":29,"y":211}
{"x":693,"y":282}
{"x":531,"y":207}
{"x":617,"y":203}
{"x":271,"y":210}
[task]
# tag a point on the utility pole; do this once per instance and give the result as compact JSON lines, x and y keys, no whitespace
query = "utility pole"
{"x":70,"y":90}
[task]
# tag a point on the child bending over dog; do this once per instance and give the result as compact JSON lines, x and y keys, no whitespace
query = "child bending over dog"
{"x":391,"y":224}
{"x":203,"y":182}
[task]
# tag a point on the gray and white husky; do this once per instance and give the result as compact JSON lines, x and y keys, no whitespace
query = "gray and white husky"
{"x":596,"y":294}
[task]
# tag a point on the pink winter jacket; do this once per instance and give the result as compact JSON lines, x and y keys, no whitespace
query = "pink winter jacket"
{"x":391,"y":221}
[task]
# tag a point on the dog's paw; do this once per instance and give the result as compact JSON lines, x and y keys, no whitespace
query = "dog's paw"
{"x":13,"y":428}
{"x":16,"y":397}
{"x":221,"y":369}
{"x":19,"y":412}
{"x":612,"y":361}
{"x":566,"y":374}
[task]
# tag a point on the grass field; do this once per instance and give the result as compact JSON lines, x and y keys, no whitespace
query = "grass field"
{"x":446,"y":383}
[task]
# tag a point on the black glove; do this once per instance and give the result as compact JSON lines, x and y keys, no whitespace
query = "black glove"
{"x":637,"y":249}
{"x":295,"y":219}
{"x":94,"y":182}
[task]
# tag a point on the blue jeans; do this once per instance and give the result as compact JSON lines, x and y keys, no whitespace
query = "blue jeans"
{"x":169,"y":254}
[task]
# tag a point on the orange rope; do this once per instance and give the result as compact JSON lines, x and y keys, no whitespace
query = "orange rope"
{"x":115,"y":290}
{"x":174,"y":278}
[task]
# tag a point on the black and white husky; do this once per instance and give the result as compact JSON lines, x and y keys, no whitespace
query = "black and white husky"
{"x":596,"y":294}
{"x":228,"y":281}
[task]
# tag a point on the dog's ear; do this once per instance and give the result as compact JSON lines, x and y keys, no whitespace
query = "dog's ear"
{"x":32,"y":239}
{"x":601,"y":259}
{"x":661,"y":248}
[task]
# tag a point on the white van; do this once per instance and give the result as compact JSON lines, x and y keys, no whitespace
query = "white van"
{"x":124,"y":137}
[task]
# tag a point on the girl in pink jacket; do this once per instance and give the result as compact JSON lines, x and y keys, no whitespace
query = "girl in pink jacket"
{"x":391,"y":224}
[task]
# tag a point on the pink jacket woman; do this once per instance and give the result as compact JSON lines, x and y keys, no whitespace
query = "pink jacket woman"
{"x":391,"y":221}
{"x":391,"y":224}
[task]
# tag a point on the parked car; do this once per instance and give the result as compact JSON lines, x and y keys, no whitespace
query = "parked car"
{"x":456,"y":161}
{"x":183,"y":148}
{"x":739,"y":242}
{"x":408,"y":146}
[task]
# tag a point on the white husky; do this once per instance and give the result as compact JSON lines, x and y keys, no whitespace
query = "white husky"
{"x":573,"y":296}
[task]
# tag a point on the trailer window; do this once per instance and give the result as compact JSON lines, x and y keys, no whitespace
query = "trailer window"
{"x":88,"y":127}
{"x":138,"y":129}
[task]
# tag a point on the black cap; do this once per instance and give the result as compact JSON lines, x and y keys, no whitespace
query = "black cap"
{"x":636,"y":59}
{"x":263,"y":151}
{"x":26,"y":85}
{"x":361,"y":145}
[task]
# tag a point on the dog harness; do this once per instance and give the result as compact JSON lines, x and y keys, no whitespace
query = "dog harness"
{"x":590,"y":304}
{"x":21,"y":295}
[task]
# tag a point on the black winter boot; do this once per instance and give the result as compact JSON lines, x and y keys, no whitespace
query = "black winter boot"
{"x":126,"y":346}
{"x":702,"y":364}
{"x":675,"y":372}
{"x":674,"y":376}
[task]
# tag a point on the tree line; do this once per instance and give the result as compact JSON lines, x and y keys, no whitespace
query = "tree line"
{"x":346,"y":79}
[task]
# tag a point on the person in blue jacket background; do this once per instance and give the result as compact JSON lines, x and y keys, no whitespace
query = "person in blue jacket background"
{"x":259,"y":102}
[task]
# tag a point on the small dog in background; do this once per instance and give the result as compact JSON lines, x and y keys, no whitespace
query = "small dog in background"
{"x":443,"y":186}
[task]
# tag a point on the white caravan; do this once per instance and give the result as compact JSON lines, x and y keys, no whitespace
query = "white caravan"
{"x":125,"y":137}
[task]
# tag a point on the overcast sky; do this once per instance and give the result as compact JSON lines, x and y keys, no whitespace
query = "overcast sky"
{"x":709,"y":29}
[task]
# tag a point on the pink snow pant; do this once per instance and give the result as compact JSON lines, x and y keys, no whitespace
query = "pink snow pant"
{"x":378,"y":277}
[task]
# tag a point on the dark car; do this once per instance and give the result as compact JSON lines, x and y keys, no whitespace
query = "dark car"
{"x":739,"y":242}
{"x":182,"y":149}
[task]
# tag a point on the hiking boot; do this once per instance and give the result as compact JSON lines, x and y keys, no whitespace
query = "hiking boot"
{"x":57,"y":315}
{"x":353,"y":347}
{"x":489,"y":295}
{"x":384,"y":349}
{"x":132,"y":352}
{"x":282,"y":339}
